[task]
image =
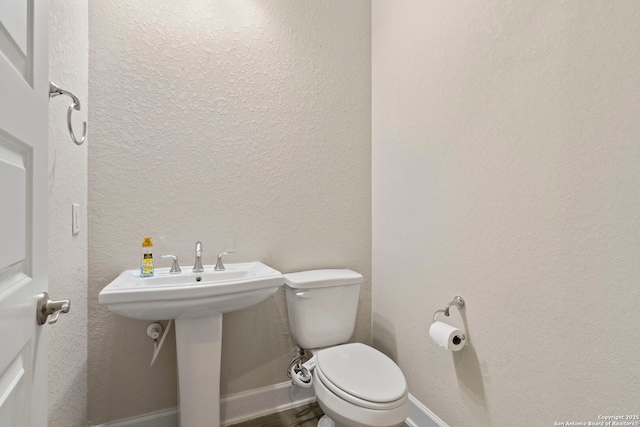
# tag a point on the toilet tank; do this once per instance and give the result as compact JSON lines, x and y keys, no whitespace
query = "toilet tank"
{"x":322,"y":306}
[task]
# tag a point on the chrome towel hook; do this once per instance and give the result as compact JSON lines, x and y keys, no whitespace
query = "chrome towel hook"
{"x":54,"y":91}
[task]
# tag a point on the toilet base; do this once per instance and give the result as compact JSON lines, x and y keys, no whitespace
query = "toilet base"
{"x":340,"y":413}
{"x":325,"y":421}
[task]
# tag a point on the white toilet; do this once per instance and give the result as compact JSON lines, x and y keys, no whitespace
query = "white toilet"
{"x":355,"y":385}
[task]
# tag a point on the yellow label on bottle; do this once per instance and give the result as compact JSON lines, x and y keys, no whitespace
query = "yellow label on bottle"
{"x":147,"y":264}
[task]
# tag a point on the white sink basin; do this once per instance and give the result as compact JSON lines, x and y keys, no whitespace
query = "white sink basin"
{"x":196,"y":301}
{"x":188,"y":294}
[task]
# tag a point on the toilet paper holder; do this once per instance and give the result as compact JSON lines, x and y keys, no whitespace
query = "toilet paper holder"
{"x":457,"y":301}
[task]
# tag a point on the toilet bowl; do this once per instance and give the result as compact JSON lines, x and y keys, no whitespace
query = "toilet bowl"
{"x":355,"y":385}
{"x":358,"y":386}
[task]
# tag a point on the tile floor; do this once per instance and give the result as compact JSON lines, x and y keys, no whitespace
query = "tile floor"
{"x":302,"y":416}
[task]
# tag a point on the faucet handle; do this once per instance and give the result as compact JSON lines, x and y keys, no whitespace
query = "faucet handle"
{"x":219,"y":265}
{"x":175,"y":267}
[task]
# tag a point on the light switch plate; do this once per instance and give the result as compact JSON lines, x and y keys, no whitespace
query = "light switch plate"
{"x":75,"y":226}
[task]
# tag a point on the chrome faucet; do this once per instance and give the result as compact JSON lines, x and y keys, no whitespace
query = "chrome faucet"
{"x":197,"y":265}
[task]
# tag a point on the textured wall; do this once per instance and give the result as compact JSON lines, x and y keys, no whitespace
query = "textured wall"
{"x":506,"y":168}
{"x":242,"y":124}
{"x":68,"y":67}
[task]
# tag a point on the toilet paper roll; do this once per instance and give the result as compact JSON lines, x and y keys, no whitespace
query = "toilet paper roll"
{"x":447,"y":336}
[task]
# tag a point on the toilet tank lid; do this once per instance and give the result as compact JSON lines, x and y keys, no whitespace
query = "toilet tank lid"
{"x":322,"y":278}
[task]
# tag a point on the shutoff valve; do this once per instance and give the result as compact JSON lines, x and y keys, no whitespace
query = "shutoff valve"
{"x":154,"y":330}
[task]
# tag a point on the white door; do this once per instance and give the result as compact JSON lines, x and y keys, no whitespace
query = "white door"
{"x":24,"y":95}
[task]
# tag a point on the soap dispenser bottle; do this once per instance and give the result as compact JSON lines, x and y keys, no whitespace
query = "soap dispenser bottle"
{"x":146,"y":266}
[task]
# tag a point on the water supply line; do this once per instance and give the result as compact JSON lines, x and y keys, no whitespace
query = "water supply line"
{"x":153,"y":331}
{"x":300,"y":373}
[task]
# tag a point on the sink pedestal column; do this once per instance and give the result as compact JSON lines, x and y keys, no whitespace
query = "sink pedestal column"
{"x":199,"y":345}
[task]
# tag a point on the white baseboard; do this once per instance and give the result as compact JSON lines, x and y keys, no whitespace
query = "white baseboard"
{"x":421,"y":416}
{"x":167,"y":418}
{"x":251,"y":404}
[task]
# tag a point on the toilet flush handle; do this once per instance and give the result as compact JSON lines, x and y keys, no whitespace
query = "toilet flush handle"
{"x":303,"y":294}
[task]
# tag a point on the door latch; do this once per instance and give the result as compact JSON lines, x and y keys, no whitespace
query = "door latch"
{"x":47,"y":307}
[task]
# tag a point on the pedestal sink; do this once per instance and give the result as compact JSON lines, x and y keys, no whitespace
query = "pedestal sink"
{"x":196,"y":301}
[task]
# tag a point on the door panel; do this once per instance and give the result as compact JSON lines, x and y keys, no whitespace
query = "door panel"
{"x":24,"y":95}
{"x":16,"y":35}
{"x":13,"y":216}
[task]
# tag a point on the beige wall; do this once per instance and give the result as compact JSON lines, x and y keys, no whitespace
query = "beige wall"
{"x":67,"y":264}
{"x":242,"y":124}
{"x":506,"y":169}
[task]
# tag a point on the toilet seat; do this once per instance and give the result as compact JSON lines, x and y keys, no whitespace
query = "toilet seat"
{"x":362,"y":375}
